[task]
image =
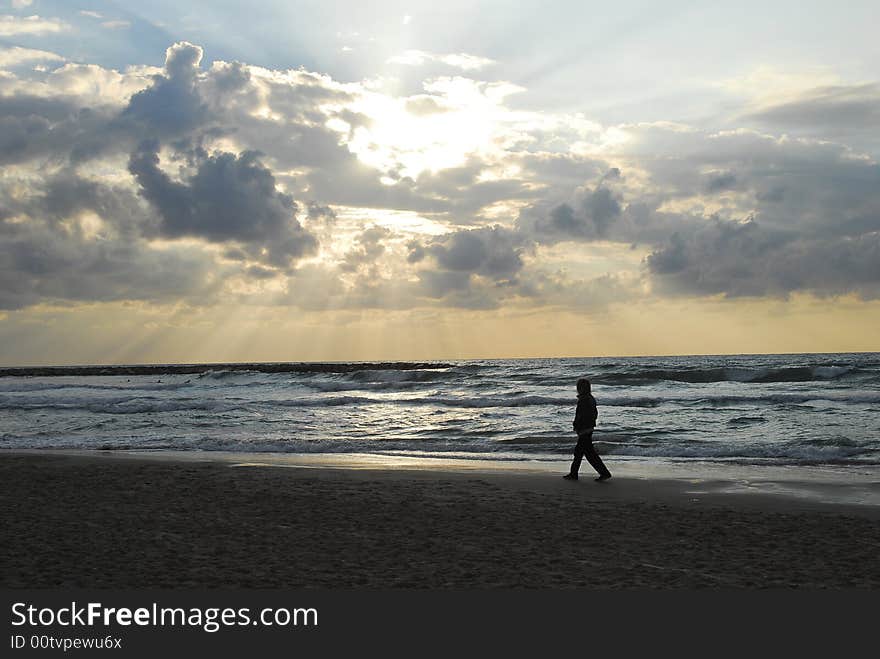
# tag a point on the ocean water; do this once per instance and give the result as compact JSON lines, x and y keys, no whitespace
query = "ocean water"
{"x":753,"y":409}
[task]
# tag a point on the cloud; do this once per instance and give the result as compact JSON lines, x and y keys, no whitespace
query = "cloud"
{"x":425,"y":105}
{"x":720,"y":181}
{"x":116,"y":25}
{"x":73,"y":111}
{"x":590,"y":219}
{"x":737,"y":213}
{"x":227,"y":198}
{"x":75,"y":240}
{"x":250,"y":177}
{"x":39,"y":267}
{"x":462,"y":61}
{"x":492,"y":267}
{"x":172,"y":105}
{"x":15,"y":56}
{"x":739,"y":259}
{"x":35,"y":128}
{"x":368,"y":248}
{"x":834,"y":111}
{"x":14,"y":26}
{"x":494,"y":252}
{"x":561,"y":289}
{"x":471,"y":268}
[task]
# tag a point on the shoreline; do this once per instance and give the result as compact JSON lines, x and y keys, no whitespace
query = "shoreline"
{"x":134,"y":521}
{"x":845,"y":489}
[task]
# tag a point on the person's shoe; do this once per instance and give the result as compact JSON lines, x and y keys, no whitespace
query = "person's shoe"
{"x":604,"y":477}
{"x":571,"y":477}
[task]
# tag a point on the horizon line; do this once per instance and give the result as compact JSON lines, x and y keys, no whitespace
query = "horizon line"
{"x":425,"y":361}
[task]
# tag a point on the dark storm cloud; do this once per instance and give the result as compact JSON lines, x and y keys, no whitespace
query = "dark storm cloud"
{"x":219,"y":197}
{"x":745,"y":259}
{"x":493,"y":252}
{"x":76,"y":129}
{"x":179,"y":103}
{"x":229,"y":198}
{"x":602,"y":208}
{"x":172,"y":105}
{"x":590,"y":219}
{"x":184,"y":105}
{"x":469,"y":267}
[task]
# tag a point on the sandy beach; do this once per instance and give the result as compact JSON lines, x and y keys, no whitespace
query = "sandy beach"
{"x":113,"y":520}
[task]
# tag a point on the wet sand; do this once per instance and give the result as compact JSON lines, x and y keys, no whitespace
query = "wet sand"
{"x":113,"y":520}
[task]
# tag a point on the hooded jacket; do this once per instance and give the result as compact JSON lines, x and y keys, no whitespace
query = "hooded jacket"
{"x":585,"y":415}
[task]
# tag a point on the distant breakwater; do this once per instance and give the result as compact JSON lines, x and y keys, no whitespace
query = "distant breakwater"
{"x":187,"y":369}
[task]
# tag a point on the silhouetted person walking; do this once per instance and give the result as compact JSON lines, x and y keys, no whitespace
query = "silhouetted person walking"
{"x":584,"y":423}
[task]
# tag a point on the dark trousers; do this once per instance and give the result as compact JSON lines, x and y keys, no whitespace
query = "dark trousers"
{"x":584,"y":448}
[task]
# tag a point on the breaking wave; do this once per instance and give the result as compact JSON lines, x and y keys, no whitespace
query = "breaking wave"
{"x":795,"y":408}
{"x":761,"y":375}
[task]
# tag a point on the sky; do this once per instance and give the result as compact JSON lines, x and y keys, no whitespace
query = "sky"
{"x":284,"y":181}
